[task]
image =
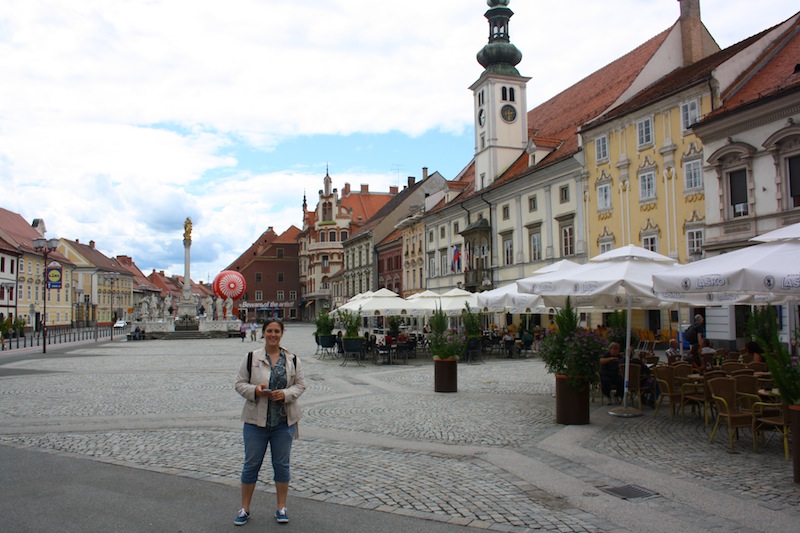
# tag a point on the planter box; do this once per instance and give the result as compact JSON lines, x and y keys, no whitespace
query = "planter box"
{"x":572,"y":402}
{"x":445,"y":375}
{"x":327,"y":341}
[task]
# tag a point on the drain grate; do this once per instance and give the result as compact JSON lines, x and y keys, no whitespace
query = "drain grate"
{"x":630,"y":492}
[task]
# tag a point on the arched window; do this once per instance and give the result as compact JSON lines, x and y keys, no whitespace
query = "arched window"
{"x":327,"y":211}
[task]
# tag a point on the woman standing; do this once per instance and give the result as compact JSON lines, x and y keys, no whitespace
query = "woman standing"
{"x":271,"y":380}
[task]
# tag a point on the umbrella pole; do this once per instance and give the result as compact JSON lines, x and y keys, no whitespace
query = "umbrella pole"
{"x":625,"y":411}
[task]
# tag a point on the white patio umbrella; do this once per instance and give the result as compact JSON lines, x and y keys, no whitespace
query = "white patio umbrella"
{"x":620,"y":277}
{"x":763,"y":273}
{"x":423,"y":303}
{"x":453,"y":301}
{"x":382,"y":302}
{"x":508,"y":298}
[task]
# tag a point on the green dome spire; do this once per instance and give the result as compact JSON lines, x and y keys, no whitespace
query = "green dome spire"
{"x":499,"y":55}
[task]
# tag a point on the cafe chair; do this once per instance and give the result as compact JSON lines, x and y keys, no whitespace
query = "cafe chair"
{"x":758,"y":367}
{"x":674,"y":359}
{"x":723,"y":392}
{"x":778,"y":421}
{"x":699,"y":394}
{"x":730,"y":366}
{"x":665,"y":377}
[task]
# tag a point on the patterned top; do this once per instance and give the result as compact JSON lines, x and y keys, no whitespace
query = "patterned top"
{"x":276,"y":412}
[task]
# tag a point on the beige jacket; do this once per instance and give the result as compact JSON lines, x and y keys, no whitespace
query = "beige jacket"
{"x":255,"y":408}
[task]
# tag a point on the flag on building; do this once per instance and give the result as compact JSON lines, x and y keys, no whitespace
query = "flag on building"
{"x":456,"y":265}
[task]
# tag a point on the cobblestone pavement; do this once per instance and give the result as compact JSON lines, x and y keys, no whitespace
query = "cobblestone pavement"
{"x":378,"y":437}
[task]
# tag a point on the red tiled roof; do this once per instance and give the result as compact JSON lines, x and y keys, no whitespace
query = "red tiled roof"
{"x":558,"y":119}
{"x":20,"y":234}
{"x":95,"y":257}
{"x":289,"y":236}
{"x":139,"y":279}
{"x":393,"y":236}
{"x":774,"y":72}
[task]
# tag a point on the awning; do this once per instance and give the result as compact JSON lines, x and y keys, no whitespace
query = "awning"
{"x":309,"y":303}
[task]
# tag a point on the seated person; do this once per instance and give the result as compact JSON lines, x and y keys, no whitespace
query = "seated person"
{"x":610,"y":378}
{"x":707,"y":349}
{"x":647,"y":382}
{"x":673,"y":348}
{"x":527,"y":340}
{"x":508,"y":342}
{"x":695,"y":359}
{"x":753,"y":348}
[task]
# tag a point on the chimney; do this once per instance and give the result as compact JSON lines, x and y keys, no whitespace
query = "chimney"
{"x":691,"y":31}
{"x":346,"y":189}
{"x":364,"y":188}
{"x":91,"y":245}
{"x":411,"y":181}
{"x":393,"y":189}
{"x":424,"y":173}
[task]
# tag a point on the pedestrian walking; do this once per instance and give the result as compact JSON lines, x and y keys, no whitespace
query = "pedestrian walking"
{"x":270,"y":380}
{"x":253,"y":329}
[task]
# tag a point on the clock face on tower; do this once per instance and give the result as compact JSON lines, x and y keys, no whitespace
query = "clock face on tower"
{"x":508,"y":113}
{"x":481,"y":117}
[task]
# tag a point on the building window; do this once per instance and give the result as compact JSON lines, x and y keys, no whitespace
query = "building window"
{"x":441,"y":232}
{"x":644,"y":132}
{"x":793,"y":169}
{"x":693,"y":174}
{"x":321,"y":236}
{"x":344,"y":235}
{"x":738,"y":187}
{"x":279,"y":252}
{"x":259,"y":296}
{"x":507,"y":94}
{"x":431,"y":266}
{"x":258,"y":277}
{"x":443,"y":261}
{"x":536,"y":246}
{"x":647,"y":186}
{"x":327,"y":211}
{"x":532,"y":203}
{"x":325,"y":262}
{"x":689,"y":114}
{"x":506,"y":212}
{"x":430,"y":236}
{"x":293,"y":295}
{"x":650,"y":242}
{"x":332,"y":236}
{"x":508,"y":250}
{"x":455,"y":228}
{"x":563,"y":194}
{"x":604,"y":197}
{"x":606,"y":245}
{"x":567,"y":240}
{"x":694,"y":241}
{"x":601,"y":148}
{"x":280,"y":296}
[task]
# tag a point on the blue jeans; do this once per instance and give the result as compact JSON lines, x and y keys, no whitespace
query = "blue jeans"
{"x":256,"y":440}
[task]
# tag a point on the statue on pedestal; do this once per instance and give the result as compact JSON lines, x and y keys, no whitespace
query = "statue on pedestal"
{"x":218,"y":308}
{"x":228,"y":308}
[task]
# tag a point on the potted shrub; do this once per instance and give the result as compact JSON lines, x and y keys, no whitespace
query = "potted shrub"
{"x":784,"y":365}
{"x":573,"y":354}
{"x":325,"y":330}
{"x":472,"y":330}
{"x":446,"y":347}
{"x":351,"y":321}
{"x":394,"y":326}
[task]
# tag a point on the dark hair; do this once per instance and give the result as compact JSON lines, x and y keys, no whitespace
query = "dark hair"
{"x":271,"y":320}
{"x":753,"y":347}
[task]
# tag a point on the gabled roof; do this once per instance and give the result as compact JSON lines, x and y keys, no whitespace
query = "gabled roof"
{"x":289,"y":236}
{"x":393,"y":236}
{"x":95,"y":257}
{"x":775,"y":72}
{"x":364,"y":205}
{"x":555,"y":123}
{"x":140,"y":281}
{"x":676,"y":81}
{"x":20,"y":234}
{"x":387,"y":209}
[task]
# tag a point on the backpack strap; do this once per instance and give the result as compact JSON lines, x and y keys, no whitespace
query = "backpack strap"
{"x":249,"y":365}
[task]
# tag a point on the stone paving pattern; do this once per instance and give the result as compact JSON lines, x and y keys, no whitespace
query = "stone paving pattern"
{"x":378,"y":437}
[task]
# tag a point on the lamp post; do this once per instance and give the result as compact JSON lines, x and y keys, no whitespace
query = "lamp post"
{"x":111,"y":277}
{"x":45,"y":246}
{"x":77,"y":302}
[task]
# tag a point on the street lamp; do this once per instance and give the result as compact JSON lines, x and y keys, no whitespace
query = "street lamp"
{"x":111,"y":277}
{"x":45,"y":246}
{"x":77,"y":302}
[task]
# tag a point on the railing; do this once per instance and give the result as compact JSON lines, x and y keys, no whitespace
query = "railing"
{"x":55,"y":335}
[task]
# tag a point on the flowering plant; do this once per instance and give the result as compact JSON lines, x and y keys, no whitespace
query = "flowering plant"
{"x":571,"y":350}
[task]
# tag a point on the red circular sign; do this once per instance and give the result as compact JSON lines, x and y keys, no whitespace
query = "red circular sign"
{"x":229,"y":283}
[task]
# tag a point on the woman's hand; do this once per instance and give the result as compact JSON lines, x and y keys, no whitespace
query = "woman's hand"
{"x":262,"y":389}
{"x":276,"y":396}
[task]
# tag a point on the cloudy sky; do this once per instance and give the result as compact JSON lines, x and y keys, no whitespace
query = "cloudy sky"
{"x":120,"y":118}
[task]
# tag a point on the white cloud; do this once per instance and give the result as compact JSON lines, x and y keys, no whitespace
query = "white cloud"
{"x":119,"y":118}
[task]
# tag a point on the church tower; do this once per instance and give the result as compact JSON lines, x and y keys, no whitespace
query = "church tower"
{"x":500,"y":100}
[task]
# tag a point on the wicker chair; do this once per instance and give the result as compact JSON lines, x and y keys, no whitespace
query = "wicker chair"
{"x":665,"y":376}
{"x":674,"y":359}
{"x":635,"y":386}
{"x":723,"y":392}
{"x":758,"y":367}
{"x":682,"y":371}
{"x":730,"y":366}
{"x":742,"y":372}
{"x":699,"y":394}
{"x":778,"y":420}
{"x":746,"y":358}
